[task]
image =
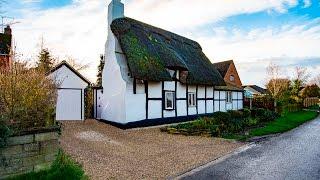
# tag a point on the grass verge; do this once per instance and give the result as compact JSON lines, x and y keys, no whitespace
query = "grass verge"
{"x":62,"y":168}
{"x":284,"y":123}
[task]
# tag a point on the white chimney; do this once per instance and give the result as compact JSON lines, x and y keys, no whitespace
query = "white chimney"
{"x":115,"y":10}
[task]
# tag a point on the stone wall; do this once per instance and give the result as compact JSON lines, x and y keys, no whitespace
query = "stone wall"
{"x":31,"y":152}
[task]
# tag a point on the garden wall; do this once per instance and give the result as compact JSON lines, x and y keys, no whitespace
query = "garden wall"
{"x":30,"y":152}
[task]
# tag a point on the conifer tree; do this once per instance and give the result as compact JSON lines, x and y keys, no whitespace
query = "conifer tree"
{"x":100,"y":69}
{"x":45,"y":61}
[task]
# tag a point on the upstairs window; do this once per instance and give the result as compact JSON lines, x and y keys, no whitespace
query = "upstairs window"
{"x":169,"y":100}
{"x":192,"y":99}
{"x":229,"y":97}
{"x":232,"y":78}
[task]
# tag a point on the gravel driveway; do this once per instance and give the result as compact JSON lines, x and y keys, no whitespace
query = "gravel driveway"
{"x":107,"y":152}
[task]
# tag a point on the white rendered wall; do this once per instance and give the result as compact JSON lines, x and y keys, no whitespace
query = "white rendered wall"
{"x":65,"y":78}
{"x":201,"y":107}
{"x":114,"y":72}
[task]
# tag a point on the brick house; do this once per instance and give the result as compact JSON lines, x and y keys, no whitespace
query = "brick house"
{"x":5,"y":48}
{"x":229,"y":72}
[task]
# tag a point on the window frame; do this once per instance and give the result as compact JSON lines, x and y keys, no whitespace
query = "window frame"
{"x":232,"y":78}
{"x":173,"y":100}
{"x":193,"y":100}
{"x":229,"y":97}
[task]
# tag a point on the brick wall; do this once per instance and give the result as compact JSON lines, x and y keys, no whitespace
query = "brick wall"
{"x":5,"y":61}
{"x":232,"y":71}
{"x":28,"y":153}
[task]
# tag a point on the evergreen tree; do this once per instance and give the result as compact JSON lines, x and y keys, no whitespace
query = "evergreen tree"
{"x":45,"y":61}
{"x":100,"y":69}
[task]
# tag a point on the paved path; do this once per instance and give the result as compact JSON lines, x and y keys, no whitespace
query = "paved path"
{"x":293,"y":155}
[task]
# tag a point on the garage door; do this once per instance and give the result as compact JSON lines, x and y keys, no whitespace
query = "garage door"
{"x":69,"y":104}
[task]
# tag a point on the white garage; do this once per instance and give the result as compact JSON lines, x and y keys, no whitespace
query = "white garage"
{"x":71,"y":92}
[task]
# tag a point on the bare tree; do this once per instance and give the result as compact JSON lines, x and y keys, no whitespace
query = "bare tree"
{"x":76,"y":65}
{"x":316,"y":80}
{"x":302,"y":75}
{"x":276,"y":85}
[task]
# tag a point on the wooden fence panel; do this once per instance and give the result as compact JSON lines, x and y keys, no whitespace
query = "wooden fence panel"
{"x":311,"y":101}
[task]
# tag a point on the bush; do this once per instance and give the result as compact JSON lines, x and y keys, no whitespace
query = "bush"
{"x":246,"y":113}
{"x":264,"y":115}
{"x":5,"y":132}
{"x":27,"y":98}
{"x":236,"y":114}
{"x":249,"y":122}
{"x":221,"y":117}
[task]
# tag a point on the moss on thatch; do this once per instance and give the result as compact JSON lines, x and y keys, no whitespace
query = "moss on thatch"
{"x":150,"y":51}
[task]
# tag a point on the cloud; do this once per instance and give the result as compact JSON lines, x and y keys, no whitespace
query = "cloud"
{"x":80,"y":30}
{"x":307,"y":3}
{"x":288,"y":45}
{"x":181,"y":14}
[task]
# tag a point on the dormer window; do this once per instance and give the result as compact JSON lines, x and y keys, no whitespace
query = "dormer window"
{"x":172,"y":73}
{"x":183,"y":75}
{"x":232,"y":78}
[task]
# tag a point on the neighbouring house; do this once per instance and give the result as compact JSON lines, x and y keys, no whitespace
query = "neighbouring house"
{"x":254,"y":91}
{"x":5,"y":48}
{"x":153,"y":76}
{"x":229,"y":72}
{"x":71,"y":92}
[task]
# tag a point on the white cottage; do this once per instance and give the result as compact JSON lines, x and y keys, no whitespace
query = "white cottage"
{"x":153,"y":76}
{"x":71,"y":92}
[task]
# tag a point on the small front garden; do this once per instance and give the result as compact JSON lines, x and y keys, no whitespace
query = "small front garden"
{"x":242,"y":125}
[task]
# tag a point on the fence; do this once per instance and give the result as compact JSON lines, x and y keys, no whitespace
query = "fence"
{"x":290,"y":108}
{"x":311,"y":101}
{"x":260,"y":103}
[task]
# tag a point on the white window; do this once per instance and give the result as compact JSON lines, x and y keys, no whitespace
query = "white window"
{"x":169,"y":100}
{"x":231,"y":78}
{"x":229,"y":97}
{"x":192,"y":99}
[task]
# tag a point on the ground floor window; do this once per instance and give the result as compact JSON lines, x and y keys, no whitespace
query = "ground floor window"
{"x":191,"y":99}
{"x":229,"y":96}
{"x":169,"y":100}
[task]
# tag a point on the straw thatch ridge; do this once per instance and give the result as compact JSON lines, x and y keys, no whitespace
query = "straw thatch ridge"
{"x":151,"y":51}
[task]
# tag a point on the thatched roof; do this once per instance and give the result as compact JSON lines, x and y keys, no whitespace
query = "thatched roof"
{"x":151,"y":51}
{"x":5,"y":43}
{"x":223,"y":67}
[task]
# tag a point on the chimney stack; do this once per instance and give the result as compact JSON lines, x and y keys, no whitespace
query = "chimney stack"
{"x":115,"y":10}
{"x":7,"y":30}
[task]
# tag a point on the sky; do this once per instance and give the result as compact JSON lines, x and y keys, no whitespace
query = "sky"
{"x":254,"y":33}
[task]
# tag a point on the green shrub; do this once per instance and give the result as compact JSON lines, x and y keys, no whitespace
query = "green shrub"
{"x":246,"y":113}
{"x":5,"y":132}
{"x":236,"y":114}
{"x":215,"y":130}
{"x":221,"y":117}
{"x":264,"y":115}
{"x":251,"y":122}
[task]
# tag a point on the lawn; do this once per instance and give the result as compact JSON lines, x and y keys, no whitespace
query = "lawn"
{"x":285,"y":123}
